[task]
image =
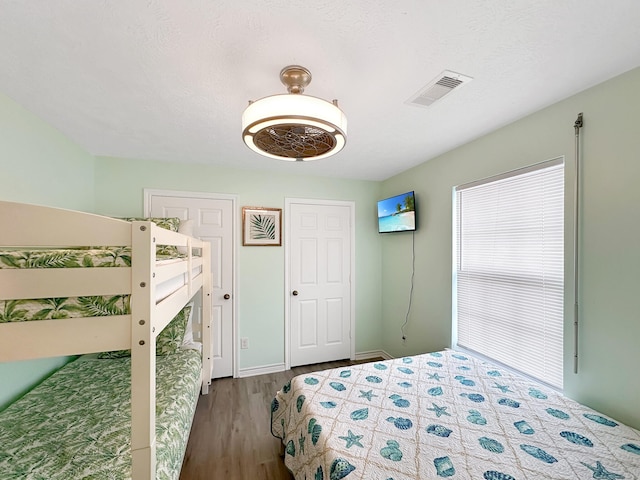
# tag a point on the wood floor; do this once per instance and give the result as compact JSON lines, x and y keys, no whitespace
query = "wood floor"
{"x":231,"y":437}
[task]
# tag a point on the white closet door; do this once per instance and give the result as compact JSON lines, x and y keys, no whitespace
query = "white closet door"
{"x":213,"y":222}
{"x":320,"y":283}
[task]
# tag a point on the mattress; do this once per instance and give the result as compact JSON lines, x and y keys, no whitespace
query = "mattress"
{"x":444,"y":415}
{"x":75,"y":307}
{"x":76,"y":424}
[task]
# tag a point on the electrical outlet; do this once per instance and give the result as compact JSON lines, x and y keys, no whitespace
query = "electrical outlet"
{"x":244,"y":343}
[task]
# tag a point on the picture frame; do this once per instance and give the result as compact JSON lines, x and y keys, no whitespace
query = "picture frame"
{"x":261,"y":226}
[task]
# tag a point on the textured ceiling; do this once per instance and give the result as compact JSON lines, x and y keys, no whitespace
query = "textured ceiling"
{"x":168,"y":80}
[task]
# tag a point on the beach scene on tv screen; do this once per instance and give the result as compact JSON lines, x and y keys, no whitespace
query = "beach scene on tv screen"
{"x":397,"y":214}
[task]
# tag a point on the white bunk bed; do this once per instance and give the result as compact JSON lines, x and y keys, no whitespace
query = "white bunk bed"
{"x":31,"y":226}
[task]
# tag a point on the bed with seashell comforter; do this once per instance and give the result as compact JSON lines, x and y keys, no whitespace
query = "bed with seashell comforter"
{"x":444,"y":415}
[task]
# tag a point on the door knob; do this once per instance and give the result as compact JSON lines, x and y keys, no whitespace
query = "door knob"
{"x":227,"y":296}
{"x":295,"y":293}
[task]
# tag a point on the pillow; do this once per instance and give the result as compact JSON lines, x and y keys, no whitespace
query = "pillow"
{"x":170,"y":339}
{"x":185,"y":228}
{"x":114,"y":354}
{"x":188,"y":333}
{"x":167,"y":342}
{"x":169,"y":223}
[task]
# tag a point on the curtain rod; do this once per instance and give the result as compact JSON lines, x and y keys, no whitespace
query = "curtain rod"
{"x":576,"y":212}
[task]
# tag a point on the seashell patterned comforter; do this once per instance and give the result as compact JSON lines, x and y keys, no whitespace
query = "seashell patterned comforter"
{"x":444,"y":415}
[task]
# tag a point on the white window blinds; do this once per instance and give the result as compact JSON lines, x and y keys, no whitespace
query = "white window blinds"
{"x":509,"y":264}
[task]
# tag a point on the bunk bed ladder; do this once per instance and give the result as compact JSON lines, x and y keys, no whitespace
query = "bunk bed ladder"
{"x":143,"y":353}
{"x":205,"y":333}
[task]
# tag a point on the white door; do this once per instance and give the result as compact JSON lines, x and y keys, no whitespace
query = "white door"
{"x":213,"y":221}
{"x":320,"y":257}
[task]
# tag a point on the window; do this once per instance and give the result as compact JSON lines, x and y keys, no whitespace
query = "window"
{"x":509,"y":279}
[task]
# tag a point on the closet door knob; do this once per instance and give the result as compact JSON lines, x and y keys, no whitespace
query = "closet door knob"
{"x":294,"y":293}
{"x":227,"y":296}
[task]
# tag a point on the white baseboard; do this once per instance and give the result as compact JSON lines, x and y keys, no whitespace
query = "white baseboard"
{"x":252,"y":371}
{"x":373,"y":354}
{"x":279,"y":367}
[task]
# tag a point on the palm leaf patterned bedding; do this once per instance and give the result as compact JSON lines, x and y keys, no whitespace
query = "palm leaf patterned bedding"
{"x":76,"y":424}
{"x":444,"y":415}
{"x":67,"y":307}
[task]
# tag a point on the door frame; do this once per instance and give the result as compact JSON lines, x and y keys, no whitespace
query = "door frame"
{"x":287,"y":273}
{"x":149,"y":192}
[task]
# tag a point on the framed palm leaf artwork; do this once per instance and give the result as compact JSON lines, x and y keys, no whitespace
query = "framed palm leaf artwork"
{"x":261,"y":226}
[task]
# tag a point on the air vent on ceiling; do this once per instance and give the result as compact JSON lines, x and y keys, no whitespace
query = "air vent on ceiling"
{"x":443,"y":84}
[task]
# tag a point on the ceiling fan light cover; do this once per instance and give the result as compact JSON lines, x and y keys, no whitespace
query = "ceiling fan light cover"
{"x":294,"y":127}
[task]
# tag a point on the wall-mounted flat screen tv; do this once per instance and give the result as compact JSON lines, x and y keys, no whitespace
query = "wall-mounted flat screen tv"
{"x":397,"y":214}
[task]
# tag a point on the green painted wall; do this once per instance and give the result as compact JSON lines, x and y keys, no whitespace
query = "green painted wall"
{"x":119,"y":191}
{"x":38,"y":165}
{"x":609,"y":230}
